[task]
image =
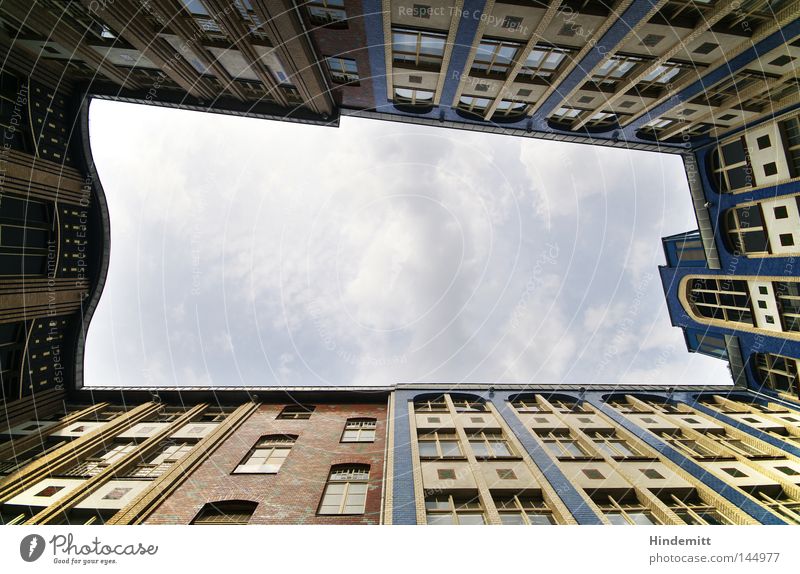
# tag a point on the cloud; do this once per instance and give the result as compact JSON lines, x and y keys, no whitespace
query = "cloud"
{"x":257,"y":252}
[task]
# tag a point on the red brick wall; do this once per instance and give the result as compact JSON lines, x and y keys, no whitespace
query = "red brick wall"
{"x":350,"y":42}
{"x":293,"y":494}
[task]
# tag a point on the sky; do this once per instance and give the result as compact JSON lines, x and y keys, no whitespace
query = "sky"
{"x":253,"y":252}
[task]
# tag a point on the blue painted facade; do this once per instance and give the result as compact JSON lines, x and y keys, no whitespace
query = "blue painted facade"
{"x":404,"y":510}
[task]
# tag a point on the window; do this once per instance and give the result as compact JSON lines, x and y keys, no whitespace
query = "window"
{"x":413,"y":97}
{"x":474,"y":104}
{"x":439,"y":445}
{"x":343,"y":70}
{"x":268,"y":455}
{"x":489,"y":445}
{"x":734,"y":472}
{"x":781,"y":503}
{"x":226,"y":512}
{"x":434,"y":405}
{"x":790,"y":132}
{"x":346,"y":491}
{"x":625,"y":510}
{"x":169,"y":454}
{"x":561,"y":444}
{"x":694,"y":510}
{"x":651,"y":473}
{"x":527,"y":406}
{"x":611,"y":445}
{"x":495,"y":57}
{"x":730,"y":164}
{"x":777,"y":372}
{"x":788,"y":299}
{"x":746,"y":230}
{"x":687,"y":445}
{"x":662,"y":75}
{"x":787,"y":470}
{"x":523,"y":510}
{"x":721,"y":299}
{"x":324,"y":12}
{"x":453,"y":509}
{"x":417,"y":47}
{"x":737,"y":445}
{"x":609,"y":74}
{"x":297,"y":412}
{"x":469,"y":406}
{"x":543,"y":63}
{"x":359,"y":430}
{"x":100,"y":461}
{"x":509,"y":108}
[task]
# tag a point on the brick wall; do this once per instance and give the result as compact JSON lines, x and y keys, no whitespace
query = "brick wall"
{"x":293,"y":494}
{"x":350,"y":42}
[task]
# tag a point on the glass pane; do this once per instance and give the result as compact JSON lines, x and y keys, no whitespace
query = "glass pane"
{"x":428,"y":449}
{"x":507,"y":518}
{"x":480,"y":448}
{"x":642,"y":518}
{"x":470,"y":519}
{"x":450,"y":448}
{"x":733,"y":152}
{"x":440,"y":519}
{"x":541,"y":519}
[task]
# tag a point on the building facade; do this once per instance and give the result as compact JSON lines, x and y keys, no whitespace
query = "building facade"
{"x":713,"y":81}
{"x":413,"y":454}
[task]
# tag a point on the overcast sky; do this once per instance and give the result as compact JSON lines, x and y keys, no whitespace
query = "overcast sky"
{"x":250,"y":252}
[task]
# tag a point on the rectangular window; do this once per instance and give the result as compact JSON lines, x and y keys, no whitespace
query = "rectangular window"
{"x":489,"y":445}
{"x":296,"y":412}
{"x":346,"y":491}
{"x":453,"y":509}
{"x":523,"y":510}
{"x":439,"y":445}
{"x":359,"y":430}
{"x":342,"y":70}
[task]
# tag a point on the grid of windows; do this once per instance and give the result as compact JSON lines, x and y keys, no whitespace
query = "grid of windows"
{"x":730,"y":164}
{"x":495,"y":57}
{"x":474,"y":104}
{"x":346,"y":491}
{"x":343,"y":70}
{"x":453,"y":509}
{"x":687,"y":445}
{"x":324,"y":12}
{"x":434,"y":405}
{"x":413,"y":97}
{"x":469,"y":406}
{"x":781,"y":503}
{"x":562,"y":444}
{"x":439,"y":445}
{"x":544,"y":62}
{"x":489,"y":445}
{"x":722,"y":299}
{"x":612,"y":445}
{"x":746,"y":230}
{"x":516,"y":509}
{"x":613,"y":70}
{"x":528,"y":406}
{"x":359,"y":430}
{"x":692,"y":509}
{"x":625,"y":510}
{"x":787,"y":295}
{"x":418,"y":47}
{"x":777,"y":372}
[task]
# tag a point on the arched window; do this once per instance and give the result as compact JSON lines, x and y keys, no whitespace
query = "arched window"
{"x":268,"y":454}
{"x":226,"y":512}
{"x":721,"y":299}
{"x":346,"y":490}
